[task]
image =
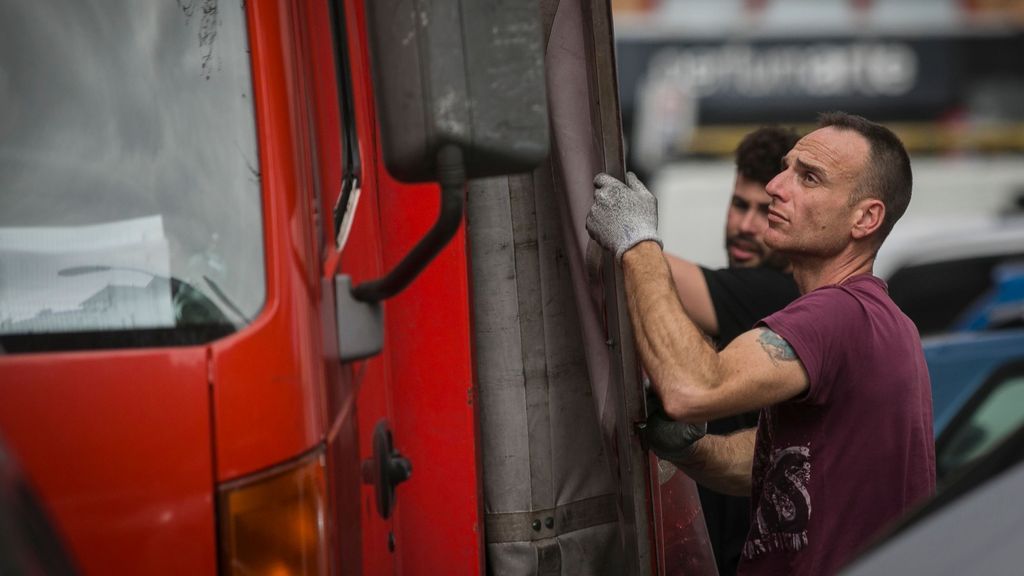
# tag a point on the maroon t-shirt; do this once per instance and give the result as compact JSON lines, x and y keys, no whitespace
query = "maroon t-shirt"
{"x":837,"y":464}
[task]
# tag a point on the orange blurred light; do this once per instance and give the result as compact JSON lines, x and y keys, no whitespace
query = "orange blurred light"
{"x":272,"y":523}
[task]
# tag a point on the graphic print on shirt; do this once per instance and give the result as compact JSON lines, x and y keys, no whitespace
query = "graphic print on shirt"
{"x":784,"y":505}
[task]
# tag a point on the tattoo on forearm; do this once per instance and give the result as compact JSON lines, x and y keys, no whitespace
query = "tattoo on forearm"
{"x":776,"y":347}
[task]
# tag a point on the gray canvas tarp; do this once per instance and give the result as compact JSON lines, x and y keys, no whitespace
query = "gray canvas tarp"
{"x":565,"y":482}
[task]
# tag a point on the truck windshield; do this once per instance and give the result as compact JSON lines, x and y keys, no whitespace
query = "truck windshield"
{"x":130,"y":210}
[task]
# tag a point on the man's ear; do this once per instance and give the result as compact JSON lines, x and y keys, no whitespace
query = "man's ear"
{"x":868,"y":217}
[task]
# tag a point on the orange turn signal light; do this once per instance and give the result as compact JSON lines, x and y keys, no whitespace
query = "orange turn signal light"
{"x":273,"y":523}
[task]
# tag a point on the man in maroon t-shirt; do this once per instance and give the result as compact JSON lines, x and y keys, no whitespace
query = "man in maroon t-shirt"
{"x":844,"y":442}
{"x":856,"y":447}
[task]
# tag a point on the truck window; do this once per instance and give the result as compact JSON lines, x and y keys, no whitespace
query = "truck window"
{"x":130,"y":210}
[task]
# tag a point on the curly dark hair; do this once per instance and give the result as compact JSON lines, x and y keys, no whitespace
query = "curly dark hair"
{"x":759,"y":155}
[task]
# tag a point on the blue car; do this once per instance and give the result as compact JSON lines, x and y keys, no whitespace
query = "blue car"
{"x":986,"y":336}
{"x":1002,"y":306}
{"x":960,"y":363}
{"x":977,"y":393}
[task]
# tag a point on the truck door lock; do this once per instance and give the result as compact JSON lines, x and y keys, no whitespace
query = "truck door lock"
{"x":386,"y":470}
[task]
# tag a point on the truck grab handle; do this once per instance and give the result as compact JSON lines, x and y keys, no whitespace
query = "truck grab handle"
{"x":451,"y":173}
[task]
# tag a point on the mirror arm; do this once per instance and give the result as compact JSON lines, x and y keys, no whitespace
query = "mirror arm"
{"x":451,"y":174}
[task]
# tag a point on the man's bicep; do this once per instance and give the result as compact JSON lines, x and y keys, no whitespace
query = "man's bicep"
{"x":763,"y":368}
{"x":694,"y":294}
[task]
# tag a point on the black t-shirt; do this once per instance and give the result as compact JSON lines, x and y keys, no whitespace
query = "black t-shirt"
{"x":741,"y":297}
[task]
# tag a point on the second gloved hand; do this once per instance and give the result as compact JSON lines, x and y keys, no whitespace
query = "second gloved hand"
{"x":669,"y":439}
{"x":623,"y":214}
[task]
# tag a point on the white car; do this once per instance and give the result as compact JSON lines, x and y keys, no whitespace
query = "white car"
{"x":936,"y":271}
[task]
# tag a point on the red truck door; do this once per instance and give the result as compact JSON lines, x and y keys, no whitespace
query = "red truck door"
{"x":419,"y":390}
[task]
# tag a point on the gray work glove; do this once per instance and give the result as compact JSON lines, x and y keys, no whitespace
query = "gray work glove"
{"x":669,"y":439}
{"x":623,"y":215}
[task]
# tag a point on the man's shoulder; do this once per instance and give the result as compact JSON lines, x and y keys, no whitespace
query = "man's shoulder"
{"x":859,"y":292}
{"x":854,"y":301}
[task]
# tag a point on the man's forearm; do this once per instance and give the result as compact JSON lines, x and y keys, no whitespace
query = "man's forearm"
{"x":676,"y":355}
{"x":722,"y":463}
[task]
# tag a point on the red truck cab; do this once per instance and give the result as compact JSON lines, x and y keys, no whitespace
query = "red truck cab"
{"x":170,"y":377}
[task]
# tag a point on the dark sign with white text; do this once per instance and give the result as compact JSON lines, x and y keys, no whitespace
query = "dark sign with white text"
{"x":789,"y":80}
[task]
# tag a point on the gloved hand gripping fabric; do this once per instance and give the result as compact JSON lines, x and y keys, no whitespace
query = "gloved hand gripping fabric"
{"x":623,"y":214}
{"x":669,"y":439}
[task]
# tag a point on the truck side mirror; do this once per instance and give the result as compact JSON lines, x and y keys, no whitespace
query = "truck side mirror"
{"x":464,"y":73}
{"x":460,"y":92}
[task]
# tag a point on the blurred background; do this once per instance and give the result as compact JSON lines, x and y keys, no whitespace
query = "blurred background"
{"x":947,"y":75}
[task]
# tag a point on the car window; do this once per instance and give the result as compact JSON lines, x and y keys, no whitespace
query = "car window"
{"x":995,"y":412}
{"x":936,"y":294}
